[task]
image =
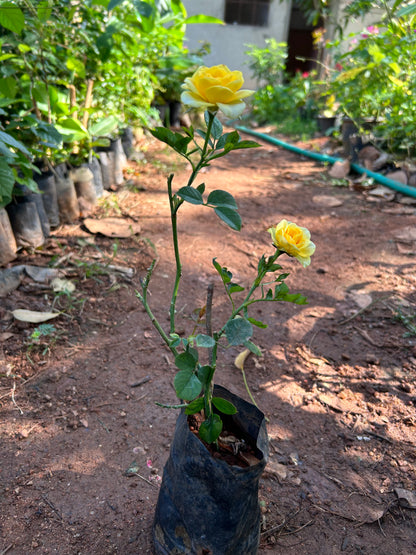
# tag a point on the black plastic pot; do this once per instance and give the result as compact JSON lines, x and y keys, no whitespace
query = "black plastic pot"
{"x":204,"y":504}
{"x":67,"y":199}
{"x":351,"y":140}
{"x":325,"y":123}
{"x":107,"y":168}
{"x":127,"y":140}
{"x":95,"y":167}
{"x":46,"y":183}
{"x":119,"y":160}
{"x":26,"y":224}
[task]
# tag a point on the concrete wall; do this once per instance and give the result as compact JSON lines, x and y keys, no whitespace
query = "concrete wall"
{"x":228,"y":41}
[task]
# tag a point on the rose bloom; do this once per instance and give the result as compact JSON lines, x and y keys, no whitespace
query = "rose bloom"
{"x":216,"y":88}
{"x":293,"y":240}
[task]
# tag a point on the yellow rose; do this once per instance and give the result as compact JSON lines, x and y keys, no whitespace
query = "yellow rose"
{"x":293,"y":240}
{"x":216,"y":88}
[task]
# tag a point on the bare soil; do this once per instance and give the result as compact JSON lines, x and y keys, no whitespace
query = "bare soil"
{"x":82,"y":442}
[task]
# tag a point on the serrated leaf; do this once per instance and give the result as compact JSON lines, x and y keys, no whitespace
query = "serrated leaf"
{"x":223,"y":405}
{"x":257,"y":323}
{"x":238,"y":331}
{"x":191,"y":195}
{"x":187,"y":385}
{"x":229,"y":216}
{"x":222,"y":198}
{"x":216,"y":129}
{"x":195,"y":406}
{"x":210,"y":429}
{"x":186,"y":361}
{"x":204,"y":341}
{"x":33,"y":316}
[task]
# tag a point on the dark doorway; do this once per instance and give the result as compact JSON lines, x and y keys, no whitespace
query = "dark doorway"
{"x":300,"y":43}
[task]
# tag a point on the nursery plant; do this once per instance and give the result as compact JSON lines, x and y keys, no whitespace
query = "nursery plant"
{"x":218,"y":89}
{"x":188,"y":519}
{"x":374,"y":78}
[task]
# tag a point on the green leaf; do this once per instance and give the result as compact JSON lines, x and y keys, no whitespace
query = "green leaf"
{"x":104,"y":126}
{"x":191,"y":195}
{"x":216,"y":129}
{"x":245,"y":144}
{"x":75,"y":65}
{"x":210,"y":429}
{"x":72,"y":129}
{"x":229,"y":217}
{"x":187,"y":385}
{"x":8,"y":87}
{"x":113,"y":4}
{"x":186,"y":361}
{"x":12,"y":17}
{"x":175,"y":340}
{"x":223,"y":405}
{"x":222,"y":198}
{"x":253,"y":348}
{"x":205,"y":341}
{"x":238,"y":331}
{"x":44,"y":11}
{"x":234,"y":288}
{"x":195,"y":406}
{"x":175,"y":140}
{"x":257,"y":323}
{"x":11,"y":141}
{"x":200,"y":18}
{"x":7,"y":180}
{"x":205,"y":374}
{"x":224,"y":273}
{"x":201,"y":188}
{"x":143,"y":8}
{"x":408,"y":10}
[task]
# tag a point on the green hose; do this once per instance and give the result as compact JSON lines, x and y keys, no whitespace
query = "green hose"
{"x":382,"y":179}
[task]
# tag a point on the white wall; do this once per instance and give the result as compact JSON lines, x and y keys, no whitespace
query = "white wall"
{"x":227,"y":41}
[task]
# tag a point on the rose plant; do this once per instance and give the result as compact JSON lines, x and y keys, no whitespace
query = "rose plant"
{"x":218,"y":89}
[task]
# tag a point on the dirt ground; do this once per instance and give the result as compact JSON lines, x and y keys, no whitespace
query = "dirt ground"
{"x":82,"y":442}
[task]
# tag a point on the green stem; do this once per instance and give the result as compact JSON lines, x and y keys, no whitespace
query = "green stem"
{"x":174,"y":206}
{"x":256,"y":283}
{"x":196,"y":169}
{"x":155,"y":322}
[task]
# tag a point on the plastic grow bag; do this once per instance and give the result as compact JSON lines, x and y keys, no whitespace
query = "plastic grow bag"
{"x":26,"y":224}
{"x":46,"y":183}
{"x":7,"y":241}
{"x":205,"y":505}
